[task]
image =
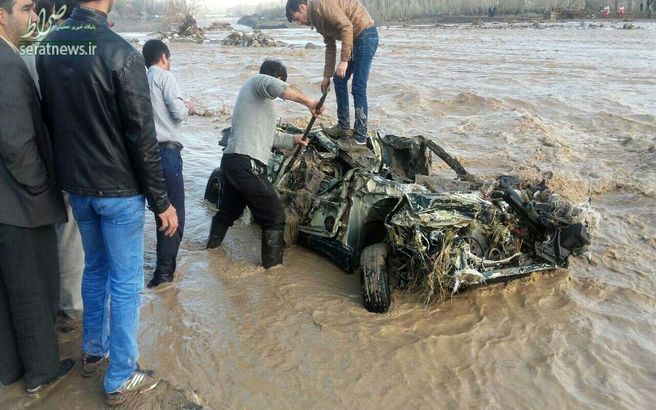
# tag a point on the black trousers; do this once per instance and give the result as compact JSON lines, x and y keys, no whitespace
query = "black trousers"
{"x":29,"y":300}
{"x":246,"y":184}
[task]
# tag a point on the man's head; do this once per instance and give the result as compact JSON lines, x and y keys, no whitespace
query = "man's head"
{"x":7,"y":5}
{"x":155,"y":52}
{"x":52,"y":7}
{"x":70,"y":6}
{"x":297,"y":12}
{"x":102,"y":5}
{"x":14,"y":18}
{"x":274,"y":68}
{"x":47,"y":5}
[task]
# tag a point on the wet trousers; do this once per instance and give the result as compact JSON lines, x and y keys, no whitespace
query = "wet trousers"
{"x":246,"y":185}
{"x":168,"y":246}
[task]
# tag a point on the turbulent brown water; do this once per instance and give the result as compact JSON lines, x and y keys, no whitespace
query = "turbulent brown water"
{"x":579,"y":103}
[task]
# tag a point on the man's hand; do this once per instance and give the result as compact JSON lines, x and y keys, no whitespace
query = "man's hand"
{"x":298,"y":140}
{"x":294,"y":94}
{"x":341,"y":69}
{"x":169,"y":221}
{"x":313,"y":108}
{"x":325,"y":85}
{"x":191,"y":107}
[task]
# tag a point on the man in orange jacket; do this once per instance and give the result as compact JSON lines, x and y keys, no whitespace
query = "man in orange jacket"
{"x":347,"y":21}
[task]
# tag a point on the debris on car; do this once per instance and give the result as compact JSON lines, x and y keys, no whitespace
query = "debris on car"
{"x":375,"y":211}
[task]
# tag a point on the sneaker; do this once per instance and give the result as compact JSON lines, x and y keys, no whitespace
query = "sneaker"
{"x":91,"y":364}
{"x":140,"y":382}
{"x":361,"y":142}
{"x":337,"y":131}
{"x":65,"y":367}
{"x":158,"y":280}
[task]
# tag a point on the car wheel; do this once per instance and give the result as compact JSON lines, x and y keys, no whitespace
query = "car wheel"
{"x":374,"y":278}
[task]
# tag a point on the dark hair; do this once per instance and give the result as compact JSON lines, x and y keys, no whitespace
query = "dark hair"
{"x":7,"y":5}
{"x":44,"y":4}
{"x":153,"y":50}
{"x":292,"y":7}
{"x":55,"y":5}
{"x":70,"y":6}
{"x":274,"y":68}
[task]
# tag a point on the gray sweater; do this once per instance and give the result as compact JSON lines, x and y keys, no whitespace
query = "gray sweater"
{"x":254,"y":119}
{"x":169,"y":108}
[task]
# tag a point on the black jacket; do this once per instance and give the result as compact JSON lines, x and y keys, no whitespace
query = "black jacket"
{"x":29,"y":197}
{"x":97,"y":108}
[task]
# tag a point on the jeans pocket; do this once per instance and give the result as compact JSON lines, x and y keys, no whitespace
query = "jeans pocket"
{"x":122,"y":210}
{"x":366,"y":47}
{"x":113,"y":206}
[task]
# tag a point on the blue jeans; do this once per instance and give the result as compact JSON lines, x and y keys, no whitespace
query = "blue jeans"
{"x":364,"y":50}
{"x":112,"y":231}
{"x":167,"y":246}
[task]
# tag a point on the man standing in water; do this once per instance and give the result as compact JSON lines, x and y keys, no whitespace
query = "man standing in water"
{"x":347,"y":21}
{"x":244,"y":160}
{"x":169,"y":110}
{"x":30,"y":206}
{"x":107,"y":158}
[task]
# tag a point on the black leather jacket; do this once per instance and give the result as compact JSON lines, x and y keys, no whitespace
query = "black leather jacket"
{"x":98,"y":111}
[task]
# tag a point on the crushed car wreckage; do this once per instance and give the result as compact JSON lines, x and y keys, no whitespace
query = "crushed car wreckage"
{"x":375,"y":211}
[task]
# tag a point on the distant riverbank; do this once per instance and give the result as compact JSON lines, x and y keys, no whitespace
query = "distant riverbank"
{"x":153,"y":24}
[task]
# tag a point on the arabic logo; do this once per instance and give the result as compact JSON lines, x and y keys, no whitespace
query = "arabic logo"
{"x":43,"y":24}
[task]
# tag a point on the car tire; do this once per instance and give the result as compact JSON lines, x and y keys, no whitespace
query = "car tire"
{"x":374,"y":278}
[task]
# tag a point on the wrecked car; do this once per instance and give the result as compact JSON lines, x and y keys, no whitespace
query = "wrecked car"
{"x":375,"y":211}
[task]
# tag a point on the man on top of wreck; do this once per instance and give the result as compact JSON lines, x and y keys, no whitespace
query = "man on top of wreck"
{"x":349,"y":22}
{"x":245,"y":157}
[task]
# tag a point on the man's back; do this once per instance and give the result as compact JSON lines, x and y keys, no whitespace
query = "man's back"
{"x":254,"y":119}
{"x":169,"y":110}
{"x":99,"y":112}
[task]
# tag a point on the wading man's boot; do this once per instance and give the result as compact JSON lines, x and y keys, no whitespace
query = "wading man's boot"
{"x":217,"y":233}
{"x":159,"y":279}
{"x":272,"y":247}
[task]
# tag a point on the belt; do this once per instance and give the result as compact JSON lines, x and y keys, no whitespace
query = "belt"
{"x":246,"y":157}
{"x":170,"y":145}
{"x":257,"y":167}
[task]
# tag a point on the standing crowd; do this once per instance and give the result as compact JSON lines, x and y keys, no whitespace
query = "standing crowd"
{"x":88,"y":140}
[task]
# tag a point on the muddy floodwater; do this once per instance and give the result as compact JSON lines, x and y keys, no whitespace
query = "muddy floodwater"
{"x":575,"y":103}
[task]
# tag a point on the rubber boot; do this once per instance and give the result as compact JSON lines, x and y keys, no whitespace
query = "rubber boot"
{"x":272,"y":247}
{"x":217,"y":233}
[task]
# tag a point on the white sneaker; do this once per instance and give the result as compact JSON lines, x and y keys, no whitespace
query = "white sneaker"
{"x":140,"y":382}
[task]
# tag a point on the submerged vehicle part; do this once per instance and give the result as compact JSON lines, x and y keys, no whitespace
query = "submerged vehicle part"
{"x":455,"y":239}
{"x":371,"y":210}
{"x":375,"y":278}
